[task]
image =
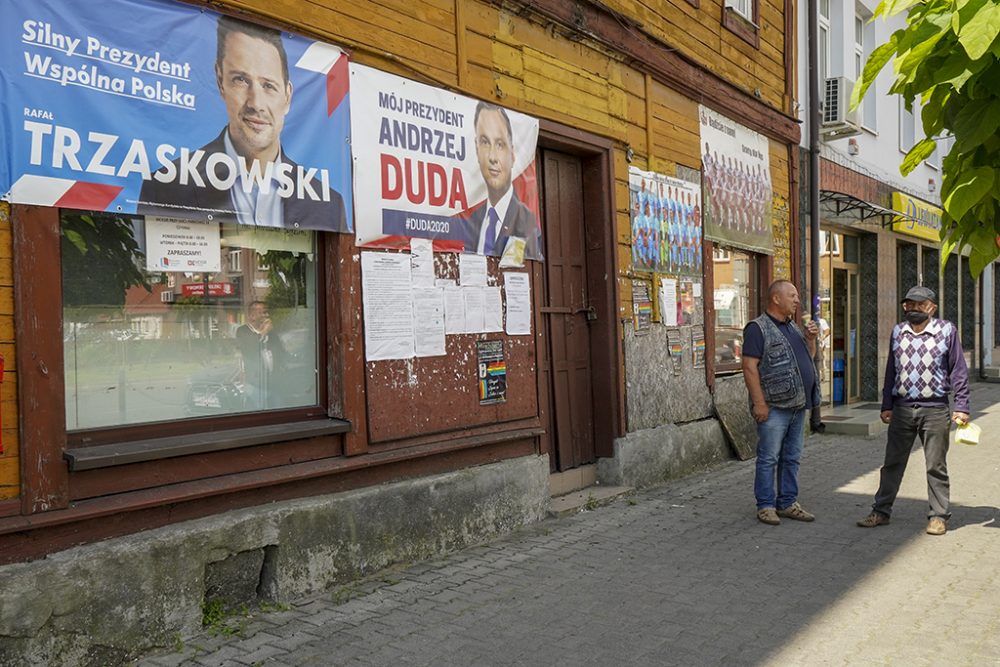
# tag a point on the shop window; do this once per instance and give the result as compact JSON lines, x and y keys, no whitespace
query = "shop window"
{"x":148,"y":345}
{"x":736,"y":299}
{"x":742,"y":17}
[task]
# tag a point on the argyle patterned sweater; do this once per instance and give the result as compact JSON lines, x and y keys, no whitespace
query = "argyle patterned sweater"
{"x":923,"y":368}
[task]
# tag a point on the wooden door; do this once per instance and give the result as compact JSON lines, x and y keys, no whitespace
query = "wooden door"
{"x":567,"y":311}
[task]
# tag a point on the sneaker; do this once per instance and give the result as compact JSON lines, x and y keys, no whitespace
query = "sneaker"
{"x":769,"y":516}
{"x":795,"y":511}
{"x":936,"y":526}
{"x":874,"y":519}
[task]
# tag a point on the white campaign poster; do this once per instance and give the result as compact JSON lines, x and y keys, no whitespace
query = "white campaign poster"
{"x":736,"y":183}
{"x":387,"y":299}
{"x":435,"y":165}
{"x":517,"y":287}
{"x":181,"y":245}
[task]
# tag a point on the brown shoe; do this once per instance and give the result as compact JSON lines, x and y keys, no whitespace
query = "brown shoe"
{"x":795,"y":511}
{"x":769,"y":516}
{"x":874,"y":519}
{"x":936,"y":526}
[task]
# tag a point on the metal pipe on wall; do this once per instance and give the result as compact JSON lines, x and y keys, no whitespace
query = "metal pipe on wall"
{"x":813,"y":119}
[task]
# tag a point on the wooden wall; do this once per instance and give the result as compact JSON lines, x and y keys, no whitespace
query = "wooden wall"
{"x":9,"y":461}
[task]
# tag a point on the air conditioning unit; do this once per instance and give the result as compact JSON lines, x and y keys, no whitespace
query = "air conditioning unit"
{"x":838,"y":121}
{"x":167,"y":296}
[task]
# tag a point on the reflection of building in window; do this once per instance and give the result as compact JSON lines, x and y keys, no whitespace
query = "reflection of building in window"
{"x":829,"y":243}
{"x":736,"y":288}
{"x":144,"y":346}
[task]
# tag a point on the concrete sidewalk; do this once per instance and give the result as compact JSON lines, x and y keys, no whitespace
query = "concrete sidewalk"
{"x":681,"y":575}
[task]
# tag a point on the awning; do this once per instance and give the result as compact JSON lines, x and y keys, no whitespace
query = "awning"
{"x":844,"y":204}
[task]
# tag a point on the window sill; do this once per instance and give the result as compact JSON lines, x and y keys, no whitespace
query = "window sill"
{"x":137,"y":451}
{"x":739,"y":26}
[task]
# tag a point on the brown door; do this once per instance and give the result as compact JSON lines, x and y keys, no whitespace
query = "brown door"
{"x":566,"y":313}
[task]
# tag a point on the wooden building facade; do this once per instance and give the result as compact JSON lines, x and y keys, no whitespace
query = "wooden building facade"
{"x":614,"y":84}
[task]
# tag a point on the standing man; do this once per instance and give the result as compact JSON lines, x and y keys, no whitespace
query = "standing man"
{"x":781,"y":380}
{"x":925,"y":365}
{"x":503,"y":216}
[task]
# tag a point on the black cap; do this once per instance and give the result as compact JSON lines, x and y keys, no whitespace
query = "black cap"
{"x":920,"y":293}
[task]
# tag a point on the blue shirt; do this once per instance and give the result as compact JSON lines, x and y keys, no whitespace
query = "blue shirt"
{"x":753,"y":346}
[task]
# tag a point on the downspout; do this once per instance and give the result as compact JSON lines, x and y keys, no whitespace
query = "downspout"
{"x":813,"y":119}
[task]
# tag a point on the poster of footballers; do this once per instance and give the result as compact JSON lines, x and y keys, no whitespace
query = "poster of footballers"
{"x":736,"y":176}
{"x":665,"y":214}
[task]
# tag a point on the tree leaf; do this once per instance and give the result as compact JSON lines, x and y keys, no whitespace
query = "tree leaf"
{"x":969,"y":189}
{"x":76,"y":239}
{"x":876,"y":61}
{"x":977,"y":35}
{"x":920,"y":152}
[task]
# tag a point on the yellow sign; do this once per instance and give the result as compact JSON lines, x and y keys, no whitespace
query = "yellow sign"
{"x":922,"y":219}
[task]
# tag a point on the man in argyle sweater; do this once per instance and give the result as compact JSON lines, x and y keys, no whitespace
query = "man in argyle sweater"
{"x":925,"y":365}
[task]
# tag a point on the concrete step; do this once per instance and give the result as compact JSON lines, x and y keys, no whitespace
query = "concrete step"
{"x":991,"y":371}
{"x":855,"y":427}
{"x":587,"y":499}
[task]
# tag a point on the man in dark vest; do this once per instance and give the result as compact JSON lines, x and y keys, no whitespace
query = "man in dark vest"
{"x":781,"y":380}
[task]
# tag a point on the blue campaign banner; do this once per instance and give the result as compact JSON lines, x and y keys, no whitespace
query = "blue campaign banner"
{"x":159,"y":108}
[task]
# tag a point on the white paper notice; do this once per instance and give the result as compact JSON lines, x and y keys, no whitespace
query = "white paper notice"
{"x":668,"y":301}
{"x":493,"y":313}
{"x":454,"y":310}
{"x":422,"y":262}
{"x":697,"y":290}
{"x":182,"y":245}
{"x":518,"y":289}
{"x":472,"y":270}
{"x":428,"y":321}
{"x":475,"y":305}
{"x":388,"y":304}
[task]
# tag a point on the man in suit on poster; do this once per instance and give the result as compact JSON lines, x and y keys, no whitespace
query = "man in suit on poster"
{"x":502,"y":216}
{"x":251,"y":72}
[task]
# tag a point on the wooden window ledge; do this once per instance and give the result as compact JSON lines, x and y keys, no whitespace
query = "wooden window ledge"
{"x":137,"y":451}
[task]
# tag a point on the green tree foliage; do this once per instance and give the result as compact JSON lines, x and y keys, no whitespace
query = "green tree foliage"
{"x":947,"y":56}
{"x":100,"y":259}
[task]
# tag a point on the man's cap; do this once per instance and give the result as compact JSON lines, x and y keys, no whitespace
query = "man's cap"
{"x":920,"y":293}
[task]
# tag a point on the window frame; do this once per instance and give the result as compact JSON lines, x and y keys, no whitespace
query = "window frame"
{"x":759,"y":272}
{"x":746,"y":28}
{"x":38,"y":232}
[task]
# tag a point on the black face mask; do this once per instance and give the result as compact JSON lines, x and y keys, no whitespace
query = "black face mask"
{"x":916,"y":316}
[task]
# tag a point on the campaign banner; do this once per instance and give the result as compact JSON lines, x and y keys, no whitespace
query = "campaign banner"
{"x":195,"y":115}
{"x":665,"y":214}
{"x":431,"y":164}
{"x":736,"y":176}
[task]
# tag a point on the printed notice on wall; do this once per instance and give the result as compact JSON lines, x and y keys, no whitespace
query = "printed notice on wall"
{"x":471,"y":270}
{"x":422,"y":262}
{"x":387,"y":298}
{"x":676,"y":346}
{"x":698,"y":347}
{"x":642,"y":306}
{"x":492,"y":372}
{"x":668,"y":301}
{"x":454,"y":310}
{"x":428,"y":321}
{"x":518,"y":289}
{"x":493,"y":313}
{"x":182,"y":245}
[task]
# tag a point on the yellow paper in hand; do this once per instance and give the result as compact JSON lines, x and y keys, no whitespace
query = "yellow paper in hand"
{"x":968,"y":434}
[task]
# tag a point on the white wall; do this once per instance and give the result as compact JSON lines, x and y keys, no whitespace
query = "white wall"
{"x":879,"y":155}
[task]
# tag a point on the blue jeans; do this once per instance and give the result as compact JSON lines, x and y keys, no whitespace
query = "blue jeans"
{"x":779,"y":448}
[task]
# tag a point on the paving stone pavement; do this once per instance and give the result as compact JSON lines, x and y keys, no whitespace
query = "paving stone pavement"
{"x":683,"y":575}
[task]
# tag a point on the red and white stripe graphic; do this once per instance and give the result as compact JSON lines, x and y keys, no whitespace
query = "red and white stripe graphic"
{"x":330,"y":61}
{"x":62,"y":193}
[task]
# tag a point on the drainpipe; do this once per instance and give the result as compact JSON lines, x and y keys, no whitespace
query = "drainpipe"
{"x":813,"y":119}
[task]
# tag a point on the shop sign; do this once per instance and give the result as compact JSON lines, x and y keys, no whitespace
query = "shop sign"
{"x":922,"y":219}
{"x":435,"y":165}
{"x":102,"y":116}
{"x":736,"y":182}
{"x":214,"y":289}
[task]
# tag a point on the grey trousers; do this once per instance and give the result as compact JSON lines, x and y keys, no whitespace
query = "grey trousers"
{"x":931,"y":425}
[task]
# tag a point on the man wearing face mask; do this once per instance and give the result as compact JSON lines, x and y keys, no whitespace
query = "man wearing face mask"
{"x":925,"y":365}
